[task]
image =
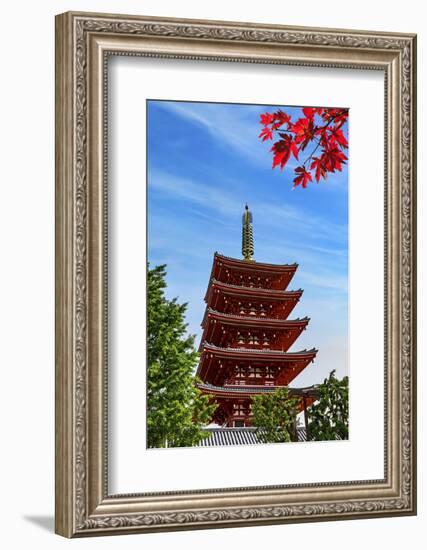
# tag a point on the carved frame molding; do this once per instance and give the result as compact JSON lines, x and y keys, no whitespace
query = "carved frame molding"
{"x":83,"y":43}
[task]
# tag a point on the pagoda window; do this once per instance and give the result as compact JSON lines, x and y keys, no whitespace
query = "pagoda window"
{"x":269,"y":372}
{"x":255,"y":372}
{"x":240,"y":372}
{"x":239,"y":409}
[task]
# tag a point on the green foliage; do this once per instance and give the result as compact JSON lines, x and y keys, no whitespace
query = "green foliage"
{"x":328,"y":417}
{"x":176,"y":408}
{"x":274,"y":414}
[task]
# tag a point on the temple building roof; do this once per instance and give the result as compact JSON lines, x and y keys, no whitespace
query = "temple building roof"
{"x":222,"y":437}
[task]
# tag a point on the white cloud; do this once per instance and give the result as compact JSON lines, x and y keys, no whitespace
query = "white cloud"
{"x":325,"y":279}
{"x":281,"y":216}
{"x":194,"y":192}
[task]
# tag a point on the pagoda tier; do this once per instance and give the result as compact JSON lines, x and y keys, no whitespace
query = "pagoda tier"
{"x":251,"y":332}
{"x":243,"y":273}
{"x":239,"y":366}
{"x":238,"y":300}
{"x":235,"y":404}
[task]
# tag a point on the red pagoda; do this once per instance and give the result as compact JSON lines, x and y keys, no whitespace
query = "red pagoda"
{"x":247,"y":333}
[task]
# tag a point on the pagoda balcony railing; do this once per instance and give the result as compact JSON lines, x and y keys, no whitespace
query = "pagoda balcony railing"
{"x":262,"y":319}
{"x":279,"y":312}
{"x":260,"y":351}
{"x":308,"y":391}
{"x":249,"y":383}
{"x":262,"y":343}
{"x":249,"y":284}
{"x":247,"y":345}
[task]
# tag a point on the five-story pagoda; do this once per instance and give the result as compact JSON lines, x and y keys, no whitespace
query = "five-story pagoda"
{"x":247,"y":333}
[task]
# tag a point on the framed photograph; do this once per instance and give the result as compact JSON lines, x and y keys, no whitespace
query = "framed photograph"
{"x":235,"y":274}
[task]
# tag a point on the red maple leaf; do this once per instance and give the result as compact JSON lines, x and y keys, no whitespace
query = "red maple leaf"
{"x":309,"y":112}
{"x":339,"y":116}
{"x":281,"y":152}
{"x":318,"y":165}
{"x":281,"y":116}
{"x":333,"y":159}
{"x":302,"y":178}
{"x":266,"y":118}
{"x":266,"y":133}
{"x":304,"y":130}
{"x":337,"y":135}
{"x":291,"y":143}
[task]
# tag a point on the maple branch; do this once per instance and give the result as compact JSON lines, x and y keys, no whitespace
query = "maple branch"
{"x":312,"y":153}
{"x":296,"y":136}
{"x":283,"y":131}
{"x":318,"y":140}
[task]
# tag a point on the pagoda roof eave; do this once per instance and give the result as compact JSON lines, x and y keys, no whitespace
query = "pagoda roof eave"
{"x":232,"y":319}
{"x":274,"y":268}
{"x":245,"y":265}
{"x":250,"y":353}
{"x":254,"y":291}
{"x":249,"y":391}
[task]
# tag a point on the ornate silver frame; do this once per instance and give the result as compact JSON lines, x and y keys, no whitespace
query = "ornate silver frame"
{"x":83,"y":505}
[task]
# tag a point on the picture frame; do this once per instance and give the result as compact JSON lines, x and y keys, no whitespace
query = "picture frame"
{"x":84,"y":42}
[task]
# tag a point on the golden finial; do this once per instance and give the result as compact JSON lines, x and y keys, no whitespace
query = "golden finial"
{"x":247,"y":235}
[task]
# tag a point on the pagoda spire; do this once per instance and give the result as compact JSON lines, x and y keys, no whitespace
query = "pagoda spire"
{"x":247,"y":235}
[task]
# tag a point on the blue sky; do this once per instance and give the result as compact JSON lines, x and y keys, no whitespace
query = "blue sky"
{"x":205,"y":162}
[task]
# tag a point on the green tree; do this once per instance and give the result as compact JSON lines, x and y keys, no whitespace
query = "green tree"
{"x":274,"y":414}
{"x":328,"y":417}
{"x":176,"y":408}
